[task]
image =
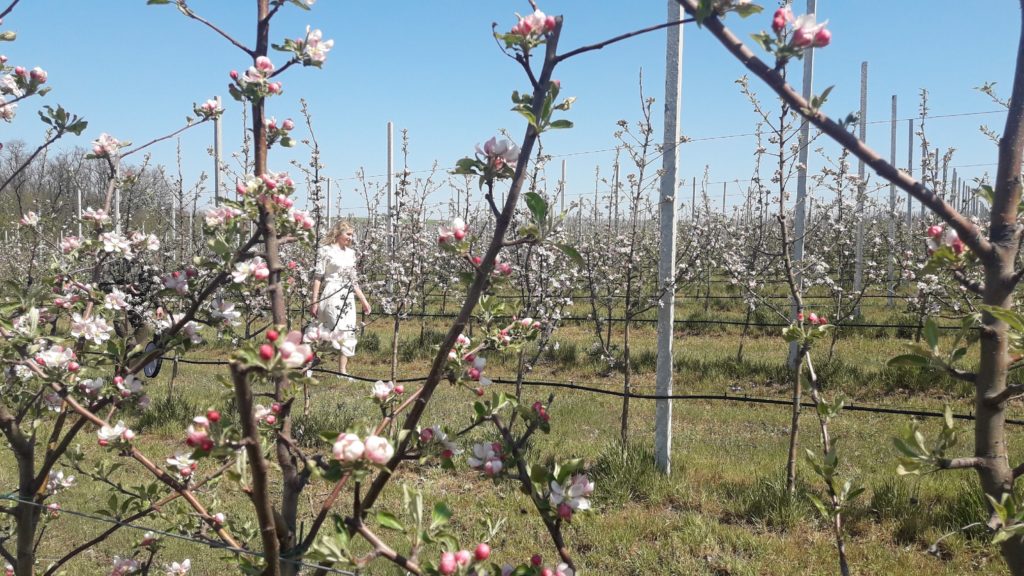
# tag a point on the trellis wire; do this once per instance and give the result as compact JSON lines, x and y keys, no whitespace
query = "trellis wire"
{"x":175,"y":535}
{"x":745,"y":398}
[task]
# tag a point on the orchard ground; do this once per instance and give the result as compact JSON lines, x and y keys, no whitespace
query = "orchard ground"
{"x":724,"y":509}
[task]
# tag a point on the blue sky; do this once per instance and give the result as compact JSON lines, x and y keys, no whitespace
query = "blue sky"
{"x":433,"y":67}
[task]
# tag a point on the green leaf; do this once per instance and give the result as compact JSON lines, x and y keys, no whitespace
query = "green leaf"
{"x":538,"y":207}
{"x":986,"y":193}
{"x":440,"y":515}
{"x":389,"y":521}
{"x":1012,"y":318}
{"x":746,"y":10}
{"x":157,"y":2}
{"x":572,"y":253}
{"x":560,"y":124}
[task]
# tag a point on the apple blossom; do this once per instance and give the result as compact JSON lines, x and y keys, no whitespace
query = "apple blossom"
{"x":381,"y":390}
{"x":348,"y":448}
{"x":315,"y":48}
{"x":448,"y":564}
{"x":574,"y":492}
{"x":56,"y":482}
{"x":8,"y":111}
{"x":805,"y":30}
{"x":117,"y":433}
{"x":105,"y":146}
{"x":462,"y":557}
{"x":219,"y":518}
{"x":29,"y":219}
{"x":263,"y":64}
{"x":94,"y":328}
{"x":98,"y":216}
{"x":124,"y":566}
{"x":486,"y":458}
{"x":114,"y":242}
{"x":498,"y":153}
{"x":69,"y":244}
{"x":378,"y":449}
{"x":178,"y":568}
{"x":293,"y":352}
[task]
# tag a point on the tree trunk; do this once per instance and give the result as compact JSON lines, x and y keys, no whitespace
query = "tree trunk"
{"x":794,"y":428}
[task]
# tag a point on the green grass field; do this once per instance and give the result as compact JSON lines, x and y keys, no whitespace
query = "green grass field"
{"x":723,"y":510}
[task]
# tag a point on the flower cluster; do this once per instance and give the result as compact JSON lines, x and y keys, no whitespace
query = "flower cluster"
{"x":56,"y":482}
{"x":290,"y":350}
{"x":534,"y":25}
{"x":812,"y":318}
{"x":447,"y":235}
{"x":254,"y":84}
{"x":938,"y":237}
{"x":498,"y":154}
{"x":209,"y":109}
{"x":256,"y":268}
{"x":178,"y":568}
{"x":106,"y":146}
{"x":350,"y":449}
{"x":435,"y":436}
{"x":383,"y":392}
{"x":452,"y":562}
{"x":487,"y":456}
{"x":124,"y":566}
{"x":115,"y":435}
{"x":279,"y":134}
{"x":310,"y":50}
{"x":569,"y":496}
{"x":30,"y":219}
{"x":198,"y":434}
{"x":806,"y":32}
{"x":220,"y":216}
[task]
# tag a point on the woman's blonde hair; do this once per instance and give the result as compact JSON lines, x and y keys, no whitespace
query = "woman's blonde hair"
{"x":340,"y":227}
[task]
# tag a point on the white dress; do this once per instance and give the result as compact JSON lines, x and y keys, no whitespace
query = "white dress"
{"x":337,"y":268}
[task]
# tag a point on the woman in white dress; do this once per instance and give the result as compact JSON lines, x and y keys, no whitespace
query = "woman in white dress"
{"x":335,"y":307}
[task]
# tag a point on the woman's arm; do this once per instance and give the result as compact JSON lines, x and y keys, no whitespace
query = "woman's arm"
{"x":314,"y":302}
{"x":362,"y":298}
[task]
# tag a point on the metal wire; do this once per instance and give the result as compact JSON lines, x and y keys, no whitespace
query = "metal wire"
{"x":174,"y":535}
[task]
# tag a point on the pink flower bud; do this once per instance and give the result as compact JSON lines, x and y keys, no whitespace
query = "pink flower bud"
{"x":275,"y":407}
{"x":799,"y":316}
{"x":213,"y":416}
{"x":479,"y":390}
{"x":935,"y":231}
{"x":270,"y":419}
{"x":482,"y":552}
{"x":958,"y":246}
{"x":426,"y":435}
{"x":564,"y":511}
{"x":263,"y":64}
{"x":73,"y":366}
{"x":447,"y":454}
{"x":822,"y":38}
{"x":813,"y":318}
{"x":448,"y":565}
{"x":219,"y":518}
{"x":266,"y":351}
{"x":234,"y":74}
{"x":473,"y":374}
{"x":459,"y":234}
{"x":272,"y":335}
{"x":399,"y":389}
{"x":274,"y":87}
{"x":463,"y":557}
{"x":536,"y":560}
{"x":476,"y":260}
{"x":288,"y":124}
{"x":549,"y":23}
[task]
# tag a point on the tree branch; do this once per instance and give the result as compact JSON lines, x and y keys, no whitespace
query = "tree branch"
{"x":968,"y":232}
{"x":960,"y":463}
{"x":621,"y":37}
{"x":183,"y":6}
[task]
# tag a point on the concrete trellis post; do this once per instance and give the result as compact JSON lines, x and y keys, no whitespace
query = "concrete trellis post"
{"x":800,"y":207}
{"x":666,"y":261}
{"x":858,"y":275}
{"x":216,"y":156}
{"x":892,"y":203}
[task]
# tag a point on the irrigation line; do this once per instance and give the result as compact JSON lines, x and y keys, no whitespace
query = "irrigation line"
{"x":207,"y":543}
{"x":745,"y":398}
{"x":697,"y":321}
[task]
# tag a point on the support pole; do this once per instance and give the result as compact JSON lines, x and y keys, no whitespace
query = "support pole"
{"x":858,"y":274}
{"x":666,"y":260}
{"x":892,"y":205}
{"x":800,"y":207}
{"x":216,"y":156}
{"x":910,"y":172}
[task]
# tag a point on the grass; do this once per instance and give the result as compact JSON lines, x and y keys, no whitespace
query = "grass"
{"x":722,"y":511}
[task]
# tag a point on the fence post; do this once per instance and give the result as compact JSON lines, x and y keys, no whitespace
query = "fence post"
{"x":666,"y":260}
{"x":858,"y":274}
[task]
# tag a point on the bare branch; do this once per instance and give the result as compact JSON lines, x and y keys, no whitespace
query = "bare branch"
{"x":968,"y":232}
{"x":183,"y":6}
{"x":622,"y":37}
